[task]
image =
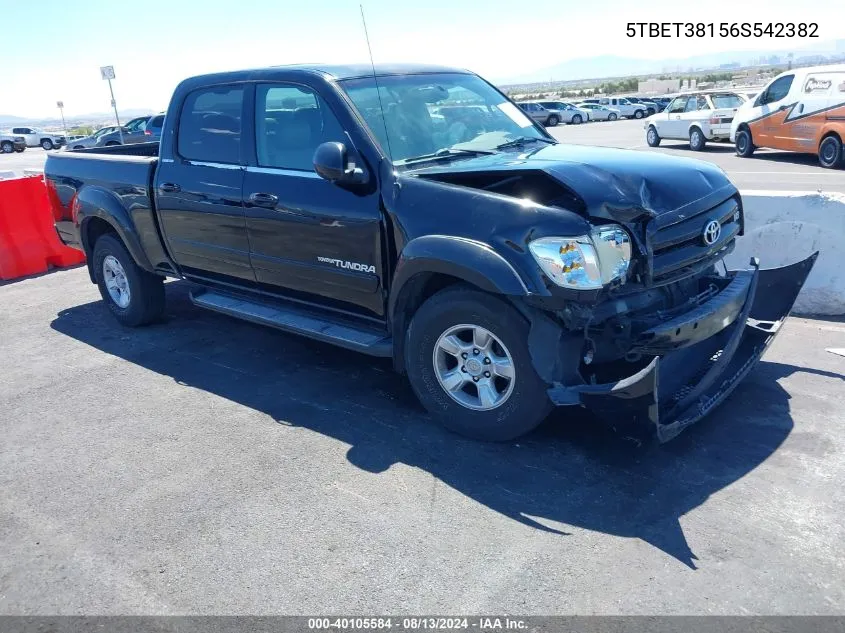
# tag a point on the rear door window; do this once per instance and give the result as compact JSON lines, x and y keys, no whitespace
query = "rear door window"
{"x":210,"y":125}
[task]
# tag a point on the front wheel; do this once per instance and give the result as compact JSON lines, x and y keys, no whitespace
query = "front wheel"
{"x":744,"y":145}
{"x":638,"y":114}
{"x":830,"y":152}
{"x":133,"y":295}
{"x":47,"y":144}
{"x":468,"y":361}
{"x":652,"y":137}
{"x":6,"y":147}
{"x":696,"y":140}
{"x":577,"y":120}
{"x":552,"y":121}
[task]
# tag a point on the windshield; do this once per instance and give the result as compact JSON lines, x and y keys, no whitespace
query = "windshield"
{"x":433,"y":113}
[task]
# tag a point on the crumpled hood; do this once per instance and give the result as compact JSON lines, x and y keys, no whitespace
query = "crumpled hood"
{"x":614,"y":183}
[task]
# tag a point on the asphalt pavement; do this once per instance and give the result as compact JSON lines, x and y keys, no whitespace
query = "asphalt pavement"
{"x":30,"y":158}
{"x":766,"y":170}
{"x":205,"y":465}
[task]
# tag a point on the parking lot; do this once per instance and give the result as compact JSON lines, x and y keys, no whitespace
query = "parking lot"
{"x":206,"y":465}
{"x":767,"y":169}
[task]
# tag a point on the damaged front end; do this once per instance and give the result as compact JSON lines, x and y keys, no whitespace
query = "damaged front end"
{"x":696,"y":358}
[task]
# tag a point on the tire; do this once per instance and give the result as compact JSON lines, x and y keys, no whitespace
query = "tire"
{"x":743,"y":143}
{"x":611,"y":116}
{"x":112,"y":143}
{"x":696,"y":140}
{"x":47,"y":144}
{"x":652,"y":137}
{"x":145,"y":297}
{"x":525,"y":403}
{"x":638,"y":114}
{"x":78,"y":147}
{"x":552,"y":121}
{"x":21,"y":150}
{"x":577,"y":120}
{"x":7,"y":147}
{"x":830,"y":152}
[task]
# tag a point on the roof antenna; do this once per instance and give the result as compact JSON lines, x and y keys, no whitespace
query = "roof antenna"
{"x":375,"y":80}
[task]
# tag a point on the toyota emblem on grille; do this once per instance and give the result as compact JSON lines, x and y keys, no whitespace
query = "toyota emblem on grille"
{"x":712,"y":231}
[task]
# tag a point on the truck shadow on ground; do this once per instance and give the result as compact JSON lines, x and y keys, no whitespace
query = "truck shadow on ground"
{"x":571,"y":471}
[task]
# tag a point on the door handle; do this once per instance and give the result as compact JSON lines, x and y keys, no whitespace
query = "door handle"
{"x":800,"y":108}
{"x":678,"y":116}
{"x":268,"y":200}
{"x":169,"y":187}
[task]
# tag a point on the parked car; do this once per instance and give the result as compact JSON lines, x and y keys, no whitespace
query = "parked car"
{"x":504,"y":273}
{"x":801,"y":110}
{"x":133,"y":132}
{"x":698,"y":117}
{"x":91,"y":141}
{"x":599,"y":112}
{"x":536,"y":112}
{"x":152,"y":128}
{"x":626,"y":108}
{"x":11,"y":143}
{"x":36,"y":137}
{"x":650,"y":106}
{"x":568,"y":112}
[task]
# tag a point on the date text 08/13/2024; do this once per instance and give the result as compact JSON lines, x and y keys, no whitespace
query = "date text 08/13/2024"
{"x":779,"y":30}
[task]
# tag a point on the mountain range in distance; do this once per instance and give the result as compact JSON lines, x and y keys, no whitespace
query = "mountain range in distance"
{"x":606,"y":66}
{"x":7,"y":120}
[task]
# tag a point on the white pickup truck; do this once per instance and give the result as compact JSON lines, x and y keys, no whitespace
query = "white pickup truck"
{"x":626,"y":108}
{"x":698,"y":117}
{"x":36,"y":137}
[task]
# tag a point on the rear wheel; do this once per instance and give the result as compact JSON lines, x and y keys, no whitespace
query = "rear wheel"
{"x":577,"y":120}
{"x":830,"y":152}
{"x":553,"y":120}
{"x":7,"y":147}
{"x":744,"y":145}
{"x":133,"y":295}
{"x":47,"y":144}
{"x":696,"y":140}
{"x":652,"y":137}
{"x":611,"y":116}
{"x":638,"y":114}
{"x":468,"y":362}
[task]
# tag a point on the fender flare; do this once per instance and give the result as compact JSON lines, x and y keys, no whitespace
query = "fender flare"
{"x":96,"y":202}
{"x":471,"y":261}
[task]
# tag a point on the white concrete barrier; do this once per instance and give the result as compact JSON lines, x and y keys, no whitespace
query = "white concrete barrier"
{"x":783,"y":227}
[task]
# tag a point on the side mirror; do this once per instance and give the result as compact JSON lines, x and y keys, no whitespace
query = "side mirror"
{"x":331,"y":162}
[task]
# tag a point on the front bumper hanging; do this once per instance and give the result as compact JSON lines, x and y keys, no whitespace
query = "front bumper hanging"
{"x":703,"y":355}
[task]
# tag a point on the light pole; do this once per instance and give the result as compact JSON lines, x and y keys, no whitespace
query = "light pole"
{"x":107,"y":73}
{"x":61,"y":105}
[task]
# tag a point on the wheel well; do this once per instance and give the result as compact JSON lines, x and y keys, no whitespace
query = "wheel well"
{"x":414,"y":293}
{"x":92,"y":230}
{"x":743,"y":126}
{"x":828,"y":135}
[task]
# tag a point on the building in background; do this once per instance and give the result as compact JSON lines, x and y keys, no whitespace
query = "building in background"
{"x":658,"y":86}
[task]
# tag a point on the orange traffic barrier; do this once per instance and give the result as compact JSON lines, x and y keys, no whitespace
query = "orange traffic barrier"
{"x":28,"y":241}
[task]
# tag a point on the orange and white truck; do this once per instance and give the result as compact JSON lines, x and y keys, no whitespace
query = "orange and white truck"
{"x":801,"y":110}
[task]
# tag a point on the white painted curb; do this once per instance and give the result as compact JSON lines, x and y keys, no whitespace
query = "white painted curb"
{"x":783,"y":227}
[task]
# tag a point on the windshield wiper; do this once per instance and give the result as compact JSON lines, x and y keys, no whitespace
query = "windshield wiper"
{"x":448,"y":152}
{"x":522,"y":140}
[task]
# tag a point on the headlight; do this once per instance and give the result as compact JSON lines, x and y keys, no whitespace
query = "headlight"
{"x":586,"y":262}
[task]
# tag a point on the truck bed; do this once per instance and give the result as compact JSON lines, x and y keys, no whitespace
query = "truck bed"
{"x":119,"y":178}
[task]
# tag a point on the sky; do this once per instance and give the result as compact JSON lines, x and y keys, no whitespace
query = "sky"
{"x":56,"y":52}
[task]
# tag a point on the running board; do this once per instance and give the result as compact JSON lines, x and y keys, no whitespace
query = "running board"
{"x":296,"y":320}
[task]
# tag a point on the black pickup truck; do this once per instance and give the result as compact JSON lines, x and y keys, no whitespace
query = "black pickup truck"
{"x":415,"y":212}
